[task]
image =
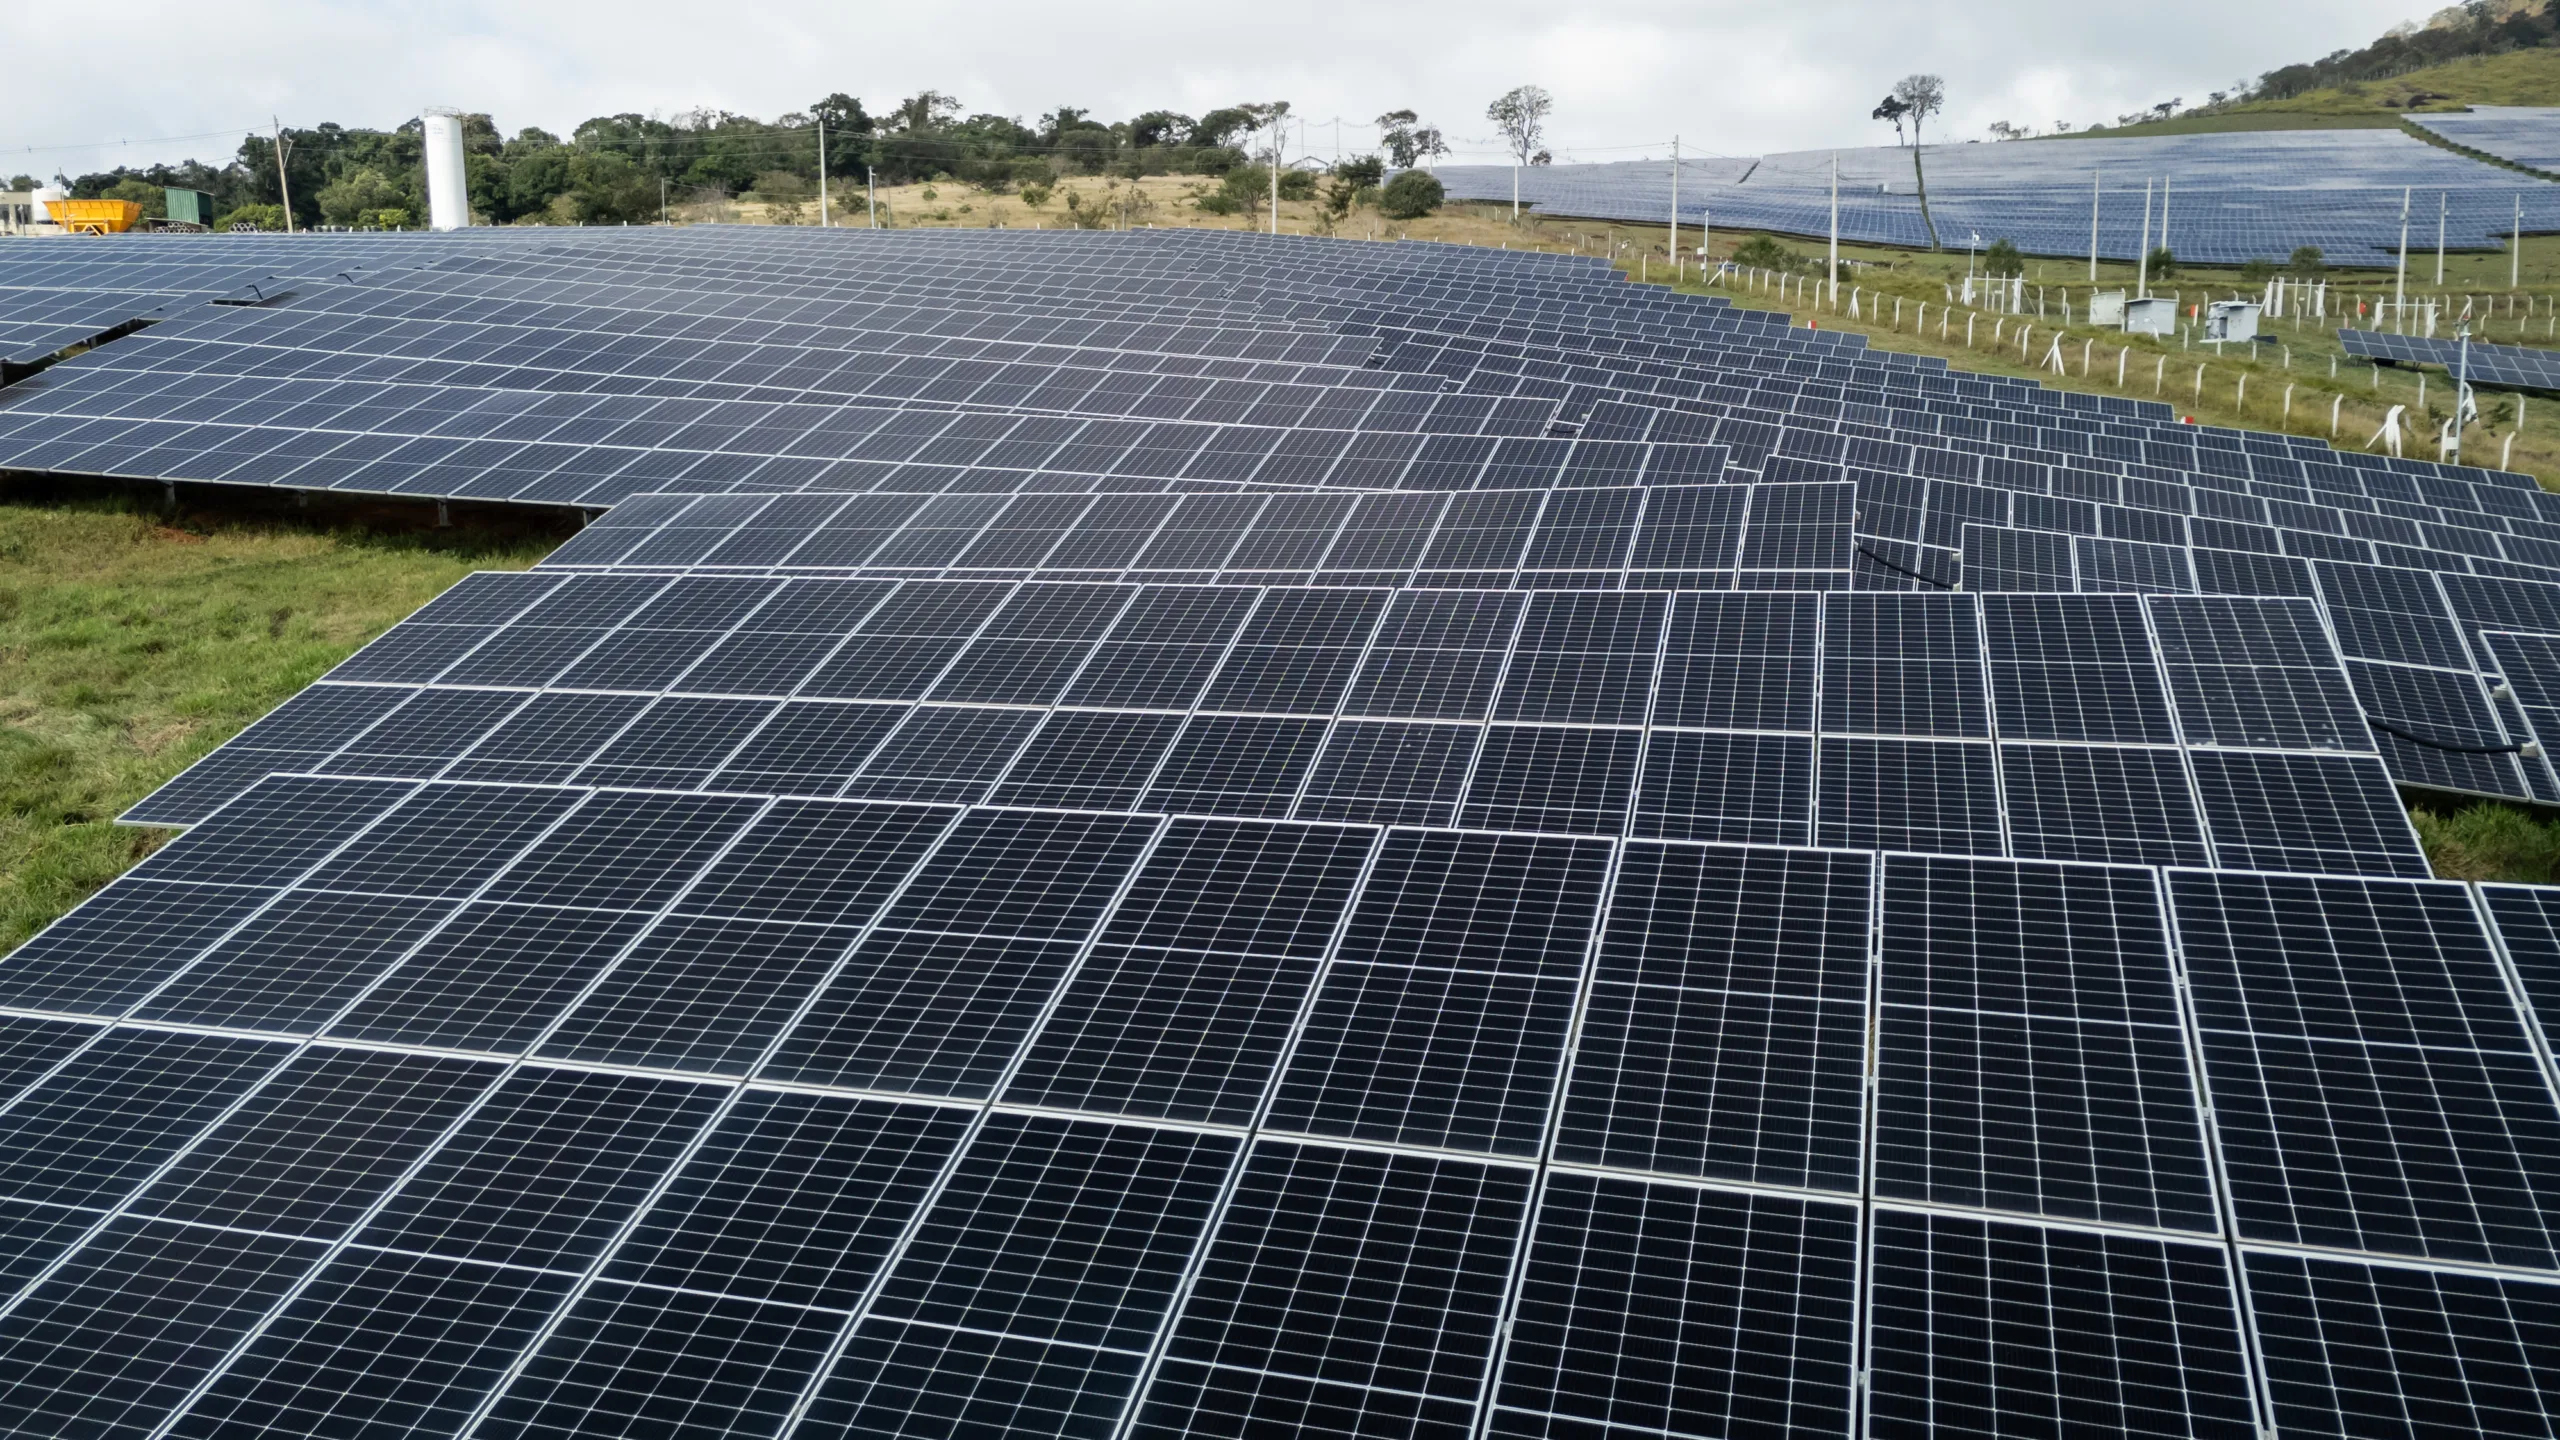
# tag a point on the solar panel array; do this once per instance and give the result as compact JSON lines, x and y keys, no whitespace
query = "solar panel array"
{"x":1845,"y":899}
{"x":2527,"y":135}
{"x":2503,"y":367}
{"x":53,"y":297}
{"x":2229,"y":198}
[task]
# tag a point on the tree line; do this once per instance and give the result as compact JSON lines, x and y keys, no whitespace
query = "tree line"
{"x":628,"y":167}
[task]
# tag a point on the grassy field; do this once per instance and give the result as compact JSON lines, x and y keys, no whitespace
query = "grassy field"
{"x":1167,"y":204}
{"x":2295,"y":384}
{"x":130,"y":645}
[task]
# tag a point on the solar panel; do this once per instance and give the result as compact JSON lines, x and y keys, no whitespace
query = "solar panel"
{"x":1169,"y":878}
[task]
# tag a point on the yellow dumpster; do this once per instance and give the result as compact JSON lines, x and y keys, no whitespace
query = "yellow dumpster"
{"x":94,"y":217}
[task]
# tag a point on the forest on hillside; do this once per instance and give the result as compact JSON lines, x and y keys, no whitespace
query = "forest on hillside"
{"x":627,"y":168}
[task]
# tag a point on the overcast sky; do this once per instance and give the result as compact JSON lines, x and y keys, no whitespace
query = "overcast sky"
{"x":94,"y":85}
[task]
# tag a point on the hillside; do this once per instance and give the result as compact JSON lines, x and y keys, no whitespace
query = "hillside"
{"x":2519,"y":77}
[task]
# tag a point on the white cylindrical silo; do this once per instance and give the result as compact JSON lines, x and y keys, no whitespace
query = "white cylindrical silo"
{"x":448,"y":193}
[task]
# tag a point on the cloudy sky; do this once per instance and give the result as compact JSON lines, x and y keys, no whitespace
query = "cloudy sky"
{"x":92,"y":86}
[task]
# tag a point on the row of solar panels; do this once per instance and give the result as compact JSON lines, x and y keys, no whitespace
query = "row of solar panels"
{"x":1573,"y":712}
{"x":891,"y":1119}
{"x":2524,"y":135}
{"x":2226,"y":198}
{"x":2501,"y":367}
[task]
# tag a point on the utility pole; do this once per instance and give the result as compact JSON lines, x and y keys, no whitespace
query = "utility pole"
{"x":2164,"y":211}
{"x":283,"y":188}
{"x":1279,"y":129}
{"x":2142,"y":271}
{"x":2461,"y":382}
{"x":2515,"y":250}
{"x":2094,"y":177}
{"x":1835,"y":227}
{"x":871,"y":192}
{"x":823,"y":222}
{"x":2400,"y":282}
{"x":662,"y":199}
{"x":2444,"y":202}
{"x":1675,"y":203}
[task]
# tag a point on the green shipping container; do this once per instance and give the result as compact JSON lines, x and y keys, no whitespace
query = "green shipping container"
{"x":190,"y":207}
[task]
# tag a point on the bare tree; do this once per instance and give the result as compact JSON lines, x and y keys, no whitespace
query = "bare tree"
{"x":1521,"y":116}
{"x":1919,"y":96}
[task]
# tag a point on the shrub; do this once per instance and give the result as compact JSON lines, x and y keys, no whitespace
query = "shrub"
{"x":1412,"y":195}
{"x":2002,"y":261}
{"x":1362,"y":171}
{"x":1035,"y":193}
{"x":1244,"y":189}
{"x":261,"y":217}
{"x":2258,"y":271}
{"x":2162,"y":262}
{"x":2308,"y":262}
{"x":1763,"y":252}
{"x":1297,"y":184}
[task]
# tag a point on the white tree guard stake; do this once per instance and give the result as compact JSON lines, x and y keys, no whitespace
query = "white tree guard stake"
{"x":2053,"y":357}
{"x":2334,"y":402}
{"x":2507,"y":451}
{"x":2120,"y":359}
{"x":2288,"y":405}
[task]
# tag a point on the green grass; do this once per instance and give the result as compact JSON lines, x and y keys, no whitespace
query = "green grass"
{"x":2221,"y":122}
{"x":2490,"y":842}
{"x":129,"y":647}
{"x":2519,"y":77}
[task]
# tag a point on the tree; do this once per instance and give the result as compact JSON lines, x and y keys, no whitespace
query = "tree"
{"x":1412,"y":195}
{"x":1429,"y":145}
{"x":1362,"y":170}
{"x":1919,"y":97}
{"x":1395,"y":135}
{"x":1273,"y":116}
{"x":849,"y":131}
{"x":2258,"y":271}
{"x":1220,"y":126}
{"x":1521,"y":116}
{"x":2161,"y":263}
{"x":153,"y":199}
{"x":2308,"y":263}
{"x":1159,"y":127}
{"x":2002,"y":261}
{"x":344,"y":200}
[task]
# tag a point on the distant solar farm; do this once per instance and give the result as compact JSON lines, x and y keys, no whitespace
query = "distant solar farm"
{"x":2228,"y":198}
